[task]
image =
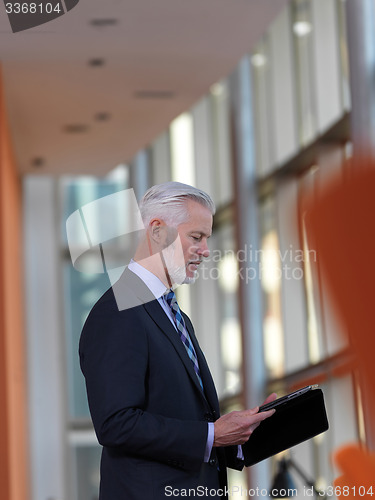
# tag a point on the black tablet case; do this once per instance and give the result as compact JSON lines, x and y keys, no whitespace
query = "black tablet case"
{"x":293,"y":422}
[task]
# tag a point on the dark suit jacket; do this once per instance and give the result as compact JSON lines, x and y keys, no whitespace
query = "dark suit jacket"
{"x":149,"y":412}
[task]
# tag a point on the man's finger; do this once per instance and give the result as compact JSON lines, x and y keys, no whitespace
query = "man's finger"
{"x":270,"y":398}
{"x":252,"y":411}
{"x":258,"y":416}
{"x":267,"y":413}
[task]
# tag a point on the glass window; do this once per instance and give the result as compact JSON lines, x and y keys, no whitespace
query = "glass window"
{"x":222,"y":153}
{"x":303,"y":32}
{"x":327,"y":73}
{"x":292,"y":275}
{"x":84,"y":287}
{"x":270,"y":269}
{"x":218,"y":330}
{"x":314,"y":305}
{"x":314,"y":326}
{"x":182,"y":149}
{"x":230,"y":329}
{"x":282,"y":100}
{"x":81,"y":289}
{"x":79,"y":191}
{"x":260,"y":64}
{"x":160,"y":159}
{"x":139,"y":172}
{"x":203,"y":144}
{"x":344,"y":57}
{"x":326,"y":335}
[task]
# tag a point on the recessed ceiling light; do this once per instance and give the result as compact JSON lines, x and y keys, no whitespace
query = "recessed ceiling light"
{"x":97,"y":61}
{"x":37,"y":162}
{"x":76,"y":128}
{"x":102,"y":116}
{"x":217,"y":89}
{"x":104,"y":22}
{"x":154,"y":94}
{"x":258,"y":60}
{"x":302,"y":28}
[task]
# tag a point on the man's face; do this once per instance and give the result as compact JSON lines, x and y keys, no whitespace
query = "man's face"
{"x":182,"y":248}
{"x":194,"y":234}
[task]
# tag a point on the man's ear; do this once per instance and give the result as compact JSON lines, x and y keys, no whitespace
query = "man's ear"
{"x":157,"y":230}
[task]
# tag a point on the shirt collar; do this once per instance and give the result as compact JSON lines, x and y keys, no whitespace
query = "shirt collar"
{"x":155,"y":285}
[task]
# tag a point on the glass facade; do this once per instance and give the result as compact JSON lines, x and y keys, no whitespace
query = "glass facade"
{"x":303,"y":336}
{"x":303,"y":31}
{"x":225,"y":260}
{"x":81,"y":289}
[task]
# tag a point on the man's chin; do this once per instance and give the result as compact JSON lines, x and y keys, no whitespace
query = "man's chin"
{"x":189,"y":280}
{"x":190,"y":276}
{"x":182,"y":276}
{"x":178,"y":279}
{"x":177,"y":276}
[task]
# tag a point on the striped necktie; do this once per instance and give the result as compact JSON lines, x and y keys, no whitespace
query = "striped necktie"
{"x":171,"y":300}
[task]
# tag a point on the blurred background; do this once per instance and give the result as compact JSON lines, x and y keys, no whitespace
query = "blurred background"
{"x":258,"y":102}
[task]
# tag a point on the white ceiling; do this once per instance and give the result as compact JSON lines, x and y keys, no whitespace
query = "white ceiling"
{"x":178,"y":48}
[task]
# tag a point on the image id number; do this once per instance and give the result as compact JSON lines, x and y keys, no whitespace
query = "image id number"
{"x":346,"y":491}
{"x":32,"y":8}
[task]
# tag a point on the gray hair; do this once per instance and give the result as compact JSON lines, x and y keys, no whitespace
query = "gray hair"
{"x":167,"y":201}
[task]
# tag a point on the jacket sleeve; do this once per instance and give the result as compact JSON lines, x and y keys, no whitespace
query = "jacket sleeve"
{"x":114,"y":360}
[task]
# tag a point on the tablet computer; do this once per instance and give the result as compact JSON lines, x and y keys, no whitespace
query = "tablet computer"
{"x":299,"y":416}
{"x":284,"y":399}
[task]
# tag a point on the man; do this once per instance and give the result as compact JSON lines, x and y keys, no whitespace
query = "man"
{"x":150,"y":392}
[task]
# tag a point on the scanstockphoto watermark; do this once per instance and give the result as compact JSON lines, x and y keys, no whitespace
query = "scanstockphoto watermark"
{"x":242,"y":492}
{"x":228,"y":491}
{"x":248,"y":263}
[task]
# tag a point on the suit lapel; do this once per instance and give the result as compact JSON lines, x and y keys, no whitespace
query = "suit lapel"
{"x":157,"y":314}
{"x":131,"y":291}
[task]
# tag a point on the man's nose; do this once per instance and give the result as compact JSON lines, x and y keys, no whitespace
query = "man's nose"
{"x":203,"y":250}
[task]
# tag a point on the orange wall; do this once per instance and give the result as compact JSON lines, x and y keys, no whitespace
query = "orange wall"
{"x":14,"y":478}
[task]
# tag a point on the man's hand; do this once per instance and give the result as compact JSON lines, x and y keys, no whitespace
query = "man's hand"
{"x":236,"y":427}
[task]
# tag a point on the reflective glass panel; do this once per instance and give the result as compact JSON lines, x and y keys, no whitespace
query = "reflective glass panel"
{"x":303,"y":32}
{"x":270,"y":273}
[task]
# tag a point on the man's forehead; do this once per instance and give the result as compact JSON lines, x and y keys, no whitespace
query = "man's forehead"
{"x":199,"y":218}
{"x":199,"y":225}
